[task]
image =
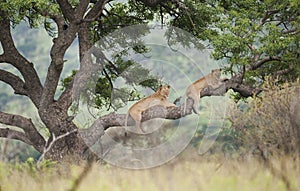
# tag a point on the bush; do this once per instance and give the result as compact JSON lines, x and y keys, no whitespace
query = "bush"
{"x":269,"y":124}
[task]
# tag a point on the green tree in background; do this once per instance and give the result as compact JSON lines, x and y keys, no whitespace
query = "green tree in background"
{"x":256,"y":39}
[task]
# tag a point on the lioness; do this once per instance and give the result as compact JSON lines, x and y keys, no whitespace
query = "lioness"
{"x":160,"y":97}
{"x":193,"y":91}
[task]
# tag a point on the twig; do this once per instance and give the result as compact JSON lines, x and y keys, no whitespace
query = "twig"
{"x":48,"y":147}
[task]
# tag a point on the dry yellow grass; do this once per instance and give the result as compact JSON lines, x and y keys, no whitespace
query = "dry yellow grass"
{"x":179,"y":174}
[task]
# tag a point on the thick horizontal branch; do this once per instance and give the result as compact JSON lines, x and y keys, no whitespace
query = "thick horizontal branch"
{"x":235,"y":84}
{"x":14,"y":81}
{"x":12,"y":134}
{"x":92,"y":134}
{"x":243,"y":90}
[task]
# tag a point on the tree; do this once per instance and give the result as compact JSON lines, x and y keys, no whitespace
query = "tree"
{"x":257,"y":39}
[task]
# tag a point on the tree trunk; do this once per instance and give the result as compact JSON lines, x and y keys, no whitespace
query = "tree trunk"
{"x":58,"y":122}
{"x":69,"y":146}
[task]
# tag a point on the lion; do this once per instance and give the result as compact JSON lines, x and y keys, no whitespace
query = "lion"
{"x":160,"y":97}
{"x":194,"y":90}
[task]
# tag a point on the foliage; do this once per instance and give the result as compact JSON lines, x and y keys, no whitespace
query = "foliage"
{"x":66,"y":81}
{"x":261,"y":35}
{"x":118,"y":15}
{"x":268,"y":123}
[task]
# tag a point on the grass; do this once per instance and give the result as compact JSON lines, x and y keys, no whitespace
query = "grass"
{"x":183,"y":173}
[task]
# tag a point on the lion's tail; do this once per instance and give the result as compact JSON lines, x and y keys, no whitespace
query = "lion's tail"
{"x":126,"y":119}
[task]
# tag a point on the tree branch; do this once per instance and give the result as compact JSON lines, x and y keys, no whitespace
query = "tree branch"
{"x":14,"y":81}
{"x":12,"y":134}
{"x":66,"y":9}
{"x":92,"y":134}
{"x":28,"y":127}
{"x":234,"y":84}
{"x":66,"y":99}
{"x":60,"y":46}
{"x":97,"y":129}
{"x":96,"y":10}
{"x":81,"y":9}
{"x":152,"y":3}
{"x":258,"y":64}
{"x":12,"y":56}
{"x":2,"y":57}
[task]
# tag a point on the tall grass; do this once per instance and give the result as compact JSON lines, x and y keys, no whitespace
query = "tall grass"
{"x":183,"y":173}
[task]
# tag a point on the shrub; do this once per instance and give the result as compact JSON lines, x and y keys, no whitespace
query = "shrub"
{"x":270,"y":123}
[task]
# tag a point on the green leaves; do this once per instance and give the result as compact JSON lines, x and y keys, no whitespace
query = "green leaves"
{"x":32,"y":11}
{"x":249,"y":32}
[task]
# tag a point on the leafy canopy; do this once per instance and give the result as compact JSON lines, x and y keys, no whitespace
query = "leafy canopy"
{"x":254,"y":38}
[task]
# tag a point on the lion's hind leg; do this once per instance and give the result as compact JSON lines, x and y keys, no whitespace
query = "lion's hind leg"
{"x":196,"y":99}
{"x":137,"y":116}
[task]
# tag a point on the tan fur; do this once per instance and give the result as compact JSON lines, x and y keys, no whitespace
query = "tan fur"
{"x":193,"y":91}
{"x":160,"y":97}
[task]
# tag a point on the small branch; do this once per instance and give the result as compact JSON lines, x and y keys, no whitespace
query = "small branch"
{"x":291,"y":31}
{"x":45,"y":12}
{"x":171,"y":11}
{"x":111,"y":86}
{"x":152,"y":3}
{"x":258,"y":64}
{"x":283,"y":72}
{"x":47,"y":146}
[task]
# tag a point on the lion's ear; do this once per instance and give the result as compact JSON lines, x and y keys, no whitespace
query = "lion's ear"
{"x":168,"y":86}
{"x":159,"y":88}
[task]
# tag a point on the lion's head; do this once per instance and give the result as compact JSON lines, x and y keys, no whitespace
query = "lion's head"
{"x":216,"y":73}
{"x":164,"y":91}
